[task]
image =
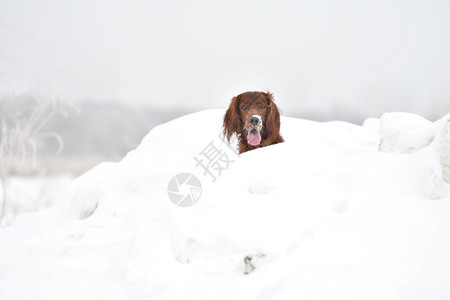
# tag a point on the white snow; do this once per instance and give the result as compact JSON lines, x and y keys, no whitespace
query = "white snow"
{"x":325,"y":215}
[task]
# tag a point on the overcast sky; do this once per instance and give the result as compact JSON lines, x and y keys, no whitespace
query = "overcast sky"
{"x":321,"y":57}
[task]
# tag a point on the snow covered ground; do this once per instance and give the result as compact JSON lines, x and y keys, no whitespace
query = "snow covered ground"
{"x":338,"y":211}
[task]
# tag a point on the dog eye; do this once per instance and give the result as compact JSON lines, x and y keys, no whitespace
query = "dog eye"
{"x":244,"y":107}
{"x":262,"y":106}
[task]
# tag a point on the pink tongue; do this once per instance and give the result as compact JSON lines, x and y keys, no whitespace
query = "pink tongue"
{"x":254,"y":138}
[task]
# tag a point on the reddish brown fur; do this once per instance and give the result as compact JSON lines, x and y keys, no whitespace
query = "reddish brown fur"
{"x":241,"y":108}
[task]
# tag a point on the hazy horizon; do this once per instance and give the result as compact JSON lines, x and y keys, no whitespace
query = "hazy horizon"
{"x":321,"y":58}
{"x":132,"y":65}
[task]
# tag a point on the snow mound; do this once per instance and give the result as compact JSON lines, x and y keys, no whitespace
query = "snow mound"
{"x":430,"y":141}
{"x":325,"y":215}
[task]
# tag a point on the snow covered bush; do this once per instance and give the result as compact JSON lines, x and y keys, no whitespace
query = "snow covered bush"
{"x":21,"y":121}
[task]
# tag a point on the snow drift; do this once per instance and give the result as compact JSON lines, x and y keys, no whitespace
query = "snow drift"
{"x":325,"y":215}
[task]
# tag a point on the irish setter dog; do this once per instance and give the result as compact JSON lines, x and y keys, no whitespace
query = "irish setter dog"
{"x":254,"y":118}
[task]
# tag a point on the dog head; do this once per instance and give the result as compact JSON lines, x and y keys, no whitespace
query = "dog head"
{"x":253,"y":116}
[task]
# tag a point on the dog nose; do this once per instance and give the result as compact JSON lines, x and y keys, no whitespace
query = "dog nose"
{"x":253,"y":120}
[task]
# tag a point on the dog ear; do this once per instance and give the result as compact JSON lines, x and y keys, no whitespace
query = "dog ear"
{"x":232,"y":119}
{"x":273,"y":116}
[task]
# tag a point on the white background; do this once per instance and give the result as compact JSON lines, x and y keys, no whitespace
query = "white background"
{"x":330,"y":59}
